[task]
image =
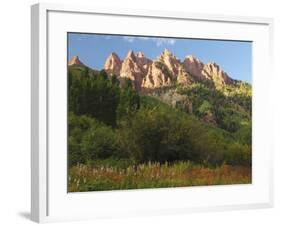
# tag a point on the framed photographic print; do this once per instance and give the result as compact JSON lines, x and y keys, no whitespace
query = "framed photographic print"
{"x":144,"y":112}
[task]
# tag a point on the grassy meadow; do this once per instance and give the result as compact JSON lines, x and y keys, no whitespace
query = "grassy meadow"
{"x":154,"y":175}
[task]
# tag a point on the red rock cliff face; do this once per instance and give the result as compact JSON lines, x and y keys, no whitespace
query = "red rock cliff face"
{"x":75,"y":61}
{"x":164,"y":71}
{"x":219,"y":77}
{"x":134,"y":67}
{"x":208,"y":72}
{"x":113,"y":64}
{"x":193,"y":66}
{"x":156,"y":77}
{"x":172,"y":63}
{"x":150,"y":74}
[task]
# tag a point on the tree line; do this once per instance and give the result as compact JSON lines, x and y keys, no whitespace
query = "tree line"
{"x":109,"y":120}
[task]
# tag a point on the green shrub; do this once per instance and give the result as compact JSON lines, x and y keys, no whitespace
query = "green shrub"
{"x":99,"y":142}
{"x":89,"y":139}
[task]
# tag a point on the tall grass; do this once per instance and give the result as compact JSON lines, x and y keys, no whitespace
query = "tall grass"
{"x":153,"y":175}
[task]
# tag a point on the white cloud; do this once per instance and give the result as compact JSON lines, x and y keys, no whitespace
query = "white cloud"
{"x":158,"y":41}
{"x":129,"y":38}
{"x":162,"y":41}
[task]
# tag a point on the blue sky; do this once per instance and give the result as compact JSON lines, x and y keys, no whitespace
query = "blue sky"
{"x":234,"y":57}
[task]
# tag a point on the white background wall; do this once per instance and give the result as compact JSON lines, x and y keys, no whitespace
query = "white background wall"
{"x":15,"y":110}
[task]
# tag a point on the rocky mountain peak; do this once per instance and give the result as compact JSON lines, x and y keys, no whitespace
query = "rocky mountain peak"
{"x":113,"y":64}
{"x":170,"y":61}
{"x":193,"y":66}
{"x":132,"y":68}
{"x":213,"y":68}
{"x":131,"y":55}
{"x":75,"y":61}
{"x":192,"y":59}
{"x":167,"y":52}
{"x":140,"y":54}
{"x":210,"y":72}
{"x":219,"y":77}
{"x":166,"y":55}
{"x":115,"y":56}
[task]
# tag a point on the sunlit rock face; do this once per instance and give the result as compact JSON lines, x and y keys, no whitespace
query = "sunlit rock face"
{"x":113,"y":64}
{"x":209,"y":72}
{"x":156,"y":78}
{"x":164,"y":71}
{"x":75,"y":61}
{"x":193,"y":66}
{"x":132,"y":69}
{"x":219,"y":77}
{"x":172,"y":63}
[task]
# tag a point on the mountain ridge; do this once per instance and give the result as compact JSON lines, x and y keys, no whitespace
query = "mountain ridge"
{"x":165,"y":71}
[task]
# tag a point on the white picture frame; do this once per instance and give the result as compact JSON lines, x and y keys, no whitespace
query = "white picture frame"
{"x":49,"y":198}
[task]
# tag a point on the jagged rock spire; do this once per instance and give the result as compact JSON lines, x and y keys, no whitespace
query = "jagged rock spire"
{"x":75,"y":61}
{"x":113,"y":64}
{"x":162,"y":72}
